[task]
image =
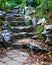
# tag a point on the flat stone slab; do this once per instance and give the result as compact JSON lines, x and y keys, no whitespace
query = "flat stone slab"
{"x":14,"y":57}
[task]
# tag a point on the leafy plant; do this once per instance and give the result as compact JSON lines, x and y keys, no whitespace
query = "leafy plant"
{"x":39,"y":31}
{"x":23,"y":3}
{"x":1,"y":22}
{"x":49,"y":54}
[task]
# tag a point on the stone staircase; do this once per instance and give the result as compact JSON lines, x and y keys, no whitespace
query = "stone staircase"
{"x":19,"y":28}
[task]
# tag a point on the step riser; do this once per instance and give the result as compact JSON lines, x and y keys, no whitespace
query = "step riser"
{"x":17,"y":30}
{"x":17,"y":23}
{"x":15,"y":19}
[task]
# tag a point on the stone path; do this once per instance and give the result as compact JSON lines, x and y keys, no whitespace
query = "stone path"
{"x":21,"y":57}
{"x":14,"y":57}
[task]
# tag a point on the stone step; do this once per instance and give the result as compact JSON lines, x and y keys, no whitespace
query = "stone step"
{"x":20,"y":23}
{"x":19,"y":18}
{"x":22,"y":29}
{"x":23,"y":35}
{"x":16,"y":23}
{"x":15,"y":18}
{"x":30,"y":45}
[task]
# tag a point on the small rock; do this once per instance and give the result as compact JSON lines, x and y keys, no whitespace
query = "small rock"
{"x":34,"y":47}
{"x":34,"y":22}
{"x":2,"y":14}
{"x":27,"y":17}
{"x":29,"y":9}
{"x":48,"y":27}
{"x":42,"y":21}
{"x":44,"y":32}
{"x":6,"y":25}
{"x":16,"y":7}
{"x":14,"y":11}
{"x":35,"y":37}
{"x":6,"y":35}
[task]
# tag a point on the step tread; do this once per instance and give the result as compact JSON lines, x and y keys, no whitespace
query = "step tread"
{"x":23,"y":33}
{"x":21,"y":27}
